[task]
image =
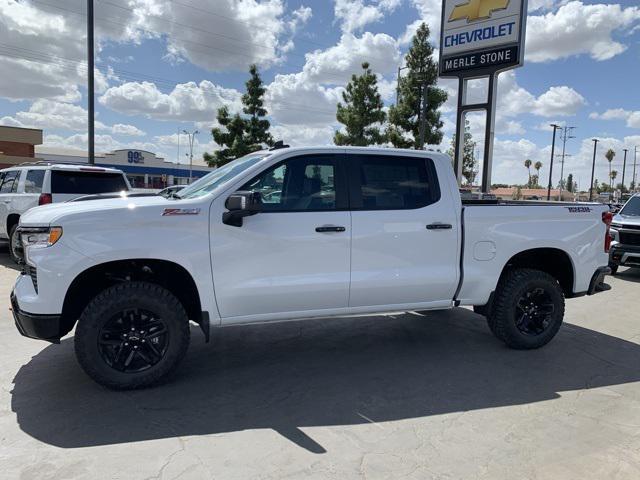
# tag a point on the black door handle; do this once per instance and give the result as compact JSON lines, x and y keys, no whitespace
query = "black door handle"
{"x":439,"y":226}
{"x":329,"y":228}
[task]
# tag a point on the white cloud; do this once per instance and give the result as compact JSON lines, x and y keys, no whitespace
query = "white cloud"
{"x":309,"y":97}
{"x":129,"y":130}
{"x":186,"y":102}
{"x":576,"y":29}
{"x":302,"y":135}
{"x":356,"y":14}
{"x":632,"y":118}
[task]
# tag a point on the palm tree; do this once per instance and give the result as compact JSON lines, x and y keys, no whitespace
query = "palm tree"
{"x":612,"y":176}
{"x":537,"y":166}
{"x":527,"y":164}
{"x":609,"y":156}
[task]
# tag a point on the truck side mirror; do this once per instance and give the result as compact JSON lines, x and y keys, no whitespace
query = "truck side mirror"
{"x":241,"y":204}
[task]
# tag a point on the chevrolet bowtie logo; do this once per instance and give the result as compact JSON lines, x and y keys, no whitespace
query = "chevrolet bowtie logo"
{"x":477,"y":9}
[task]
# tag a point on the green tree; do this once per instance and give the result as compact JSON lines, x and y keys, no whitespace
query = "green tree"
{"x":230,"y":136}
{"x":362,"y":112}
{"x":238,"y":135}
{"x":609,"y":156}
{"x":527,"y":164}
{"x":612,"y":176}
{"x":403,"y":130}
{"x":537,"y":166}
{"x":257,"y":129}
{"x":570,"y":183}
{"x":468,"y":159}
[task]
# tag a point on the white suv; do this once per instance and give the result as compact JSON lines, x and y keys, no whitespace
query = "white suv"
{"x":31,"y":184}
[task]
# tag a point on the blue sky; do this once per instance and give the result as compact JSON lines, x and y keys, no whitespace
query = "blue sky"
{"x":164,"y":66}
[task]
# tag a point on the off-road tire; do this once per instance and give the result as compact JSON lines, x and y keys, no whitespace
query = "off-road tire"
{"x":512,"y":286}
{"x":118,"y":298}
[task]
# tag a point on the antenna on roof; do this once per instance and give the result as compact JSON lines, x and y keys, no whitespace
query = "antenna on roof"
{"x":278,"y":145}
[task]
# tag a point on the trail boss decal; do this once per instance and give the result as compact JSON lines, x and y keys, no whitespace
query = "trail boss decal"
{"x":180,"y":211}
{"x":579,"y":209}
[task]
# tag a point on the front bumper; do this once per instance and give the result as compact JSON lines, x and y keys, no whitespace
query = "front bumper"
{"x":597,"y":281}
{"x":624,"y":255}
{"x":40,"y":327}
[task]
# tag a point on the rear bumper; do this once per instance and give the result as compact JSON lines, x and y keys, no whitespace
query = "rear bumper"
{"x":597,"y":281}
{"x":40,"y":327}
{"x":625,"y":255}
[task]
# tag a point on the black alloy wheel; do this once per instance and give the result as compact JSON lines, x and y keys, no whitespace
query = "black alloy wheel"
{"x":133,"y":340}
{"x":534,"y":311}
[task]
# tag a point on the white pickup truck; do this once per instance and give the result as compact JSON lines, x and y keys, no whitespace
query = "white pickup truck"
{"x":297,"y":233}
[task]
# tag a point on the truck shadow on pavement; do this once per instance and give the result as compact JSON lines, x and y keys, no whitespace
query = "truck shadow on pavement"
{"x":629,"y":275}
{"x":316,"y":373}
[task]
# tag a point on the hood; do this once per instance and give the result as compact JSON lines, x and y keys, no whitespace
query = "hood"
{"x":49,"y":214}
{"x":627,"y":219}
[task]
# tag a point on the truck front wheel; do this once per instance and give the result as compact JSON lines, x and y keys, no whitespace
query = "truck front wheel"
{"x":528,"y":308}
{"x":132,"y":335}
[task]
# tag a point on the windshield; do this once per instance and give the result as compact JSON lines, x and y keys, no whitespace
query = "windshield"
{"x":632,"y":207}
{"x":211,"y":181}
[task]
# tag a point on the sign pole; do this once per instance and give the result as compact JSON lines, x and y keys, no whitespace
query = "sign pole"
{"x":480,"y":39}
{"x":460,"y":123}
{"x":90,"y":85}
{"x":487,"y":160}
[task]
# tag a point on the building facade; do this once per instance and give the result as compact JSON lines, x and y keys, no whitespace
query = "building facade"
{"x":17,"y":145}
{"x":143,"y":169}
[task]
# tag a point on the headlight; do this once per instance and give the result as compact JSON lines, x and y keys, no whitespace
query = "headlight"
{"x":39,"y":237}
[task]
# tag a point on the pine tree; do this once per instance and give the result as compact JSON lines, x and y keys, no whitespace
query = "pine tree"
{"x":230,"y":136}
{"x":468,"y":160}
{"x":239,"y":135}
{"x":404,"y":118}
{"x":362,"y":112}
{"x":570,"y":182}
{"x":257,"y":126}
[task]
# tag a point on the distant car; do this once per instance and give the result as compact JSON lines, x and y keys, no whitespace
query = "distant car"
{"x":31,"y":184}
{"x":625,"y":236}
{"x":169,"y":191}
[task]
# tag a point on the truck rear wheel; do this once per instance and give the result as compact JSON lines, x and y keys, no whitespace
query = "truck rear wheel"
{"x":132,"y":335}
{"x":528,"y":309}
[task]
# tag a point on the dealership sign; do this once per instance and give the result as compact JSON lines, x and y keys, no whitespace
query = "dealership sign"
{"x":480,"y":37}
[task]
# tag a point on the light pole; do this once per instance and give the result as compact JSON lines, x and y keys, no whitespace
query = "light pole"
{"x":90,"y":86}
{"x":398,"y":84}
{"x":191,"y":137}
{"x":635,"y":155}
{"x":553,"y":147}
{"x":624,"y":167}
{"x":593,"y":167}
{"x":566,"y":134}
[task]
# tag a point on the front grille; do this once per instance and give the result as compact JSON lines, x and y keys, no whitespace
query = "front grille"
{"x":627,"y":238}
{"x":33,"y":273}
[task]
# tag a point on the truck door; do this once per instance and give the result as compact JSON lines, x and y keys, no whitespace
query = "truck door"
{"x":291,"y":259}
{"x":404,"y":233}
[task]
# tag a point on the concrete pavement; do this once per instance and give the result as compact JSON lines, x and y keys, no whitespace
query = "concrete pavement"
{"x":411,"y":396}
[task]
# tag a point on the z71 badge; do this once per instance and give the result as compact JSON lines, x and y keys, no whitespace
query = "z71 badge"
{"x":180,"y":211}
{"x":579,"y":209}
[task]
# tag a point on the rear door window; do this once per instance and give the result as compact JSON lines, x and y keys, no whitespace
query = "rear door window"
{"x":10,"y":182}
{"x":86,"y":182}
{"x":385,"y":182}
{"x":33,"y":182}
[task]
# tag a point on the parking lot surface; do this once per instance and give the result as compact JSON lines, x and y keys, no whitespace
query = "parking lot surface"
{"x":415,"y":396}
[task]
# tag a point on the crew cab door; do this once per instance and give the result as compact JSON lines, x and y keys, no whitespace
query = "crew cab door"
{"x":404,"y":234}
{"x":291,"y":259}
